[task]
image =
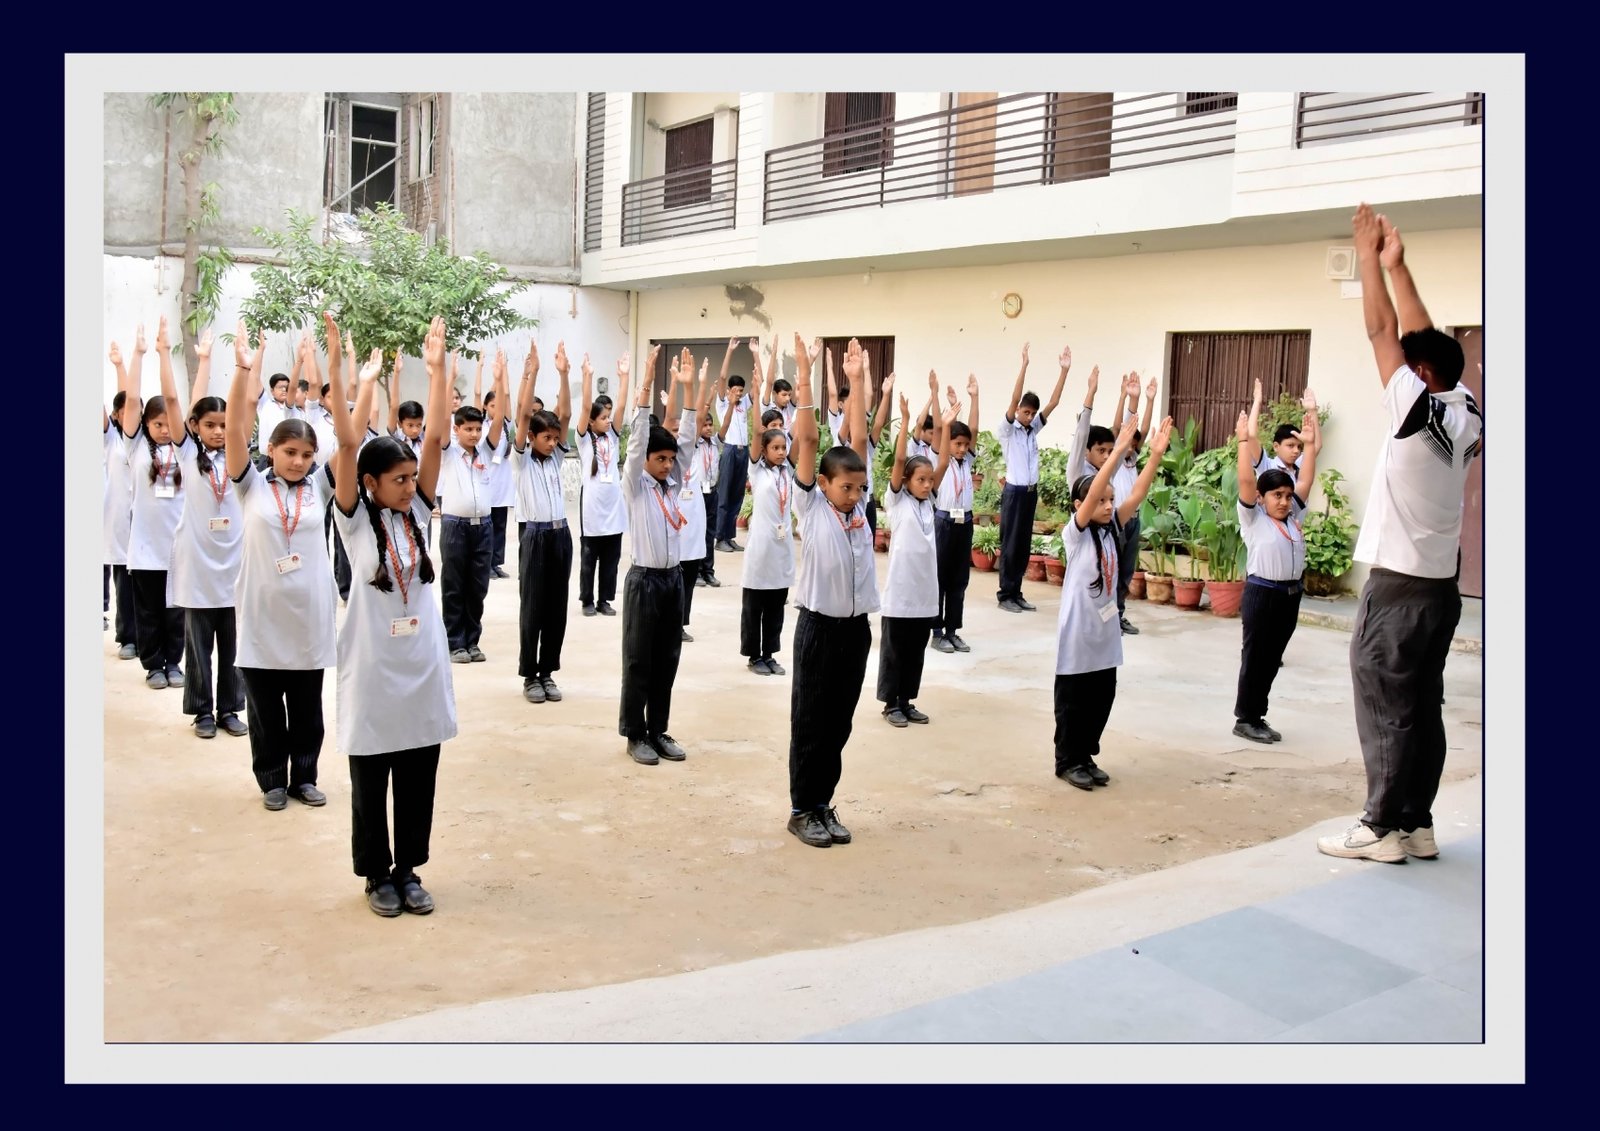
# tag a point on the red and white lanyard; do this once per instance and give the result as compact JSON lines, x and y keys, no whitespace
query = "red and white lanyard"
{"x":675,"y":518}
{"x":283,"y":511}
{"x":402,"y":575}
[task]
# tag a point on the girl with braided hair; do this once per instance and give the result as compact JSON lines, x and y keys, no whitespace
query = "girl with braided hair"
{"x":396,"y":698}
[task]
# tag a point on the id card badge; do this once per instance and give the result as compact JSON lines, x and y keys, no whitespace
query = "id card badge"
{"x":688,"y":494}
{"x":403,"y":626}
{"x":166,"y":491}
{"x":288,"y":563}
{"x":496,"y":458}
{"x":607,"y":476}
{"x":706,"y":488}
{"x":1108,"y":612}
{"x":780,"y":531}
{"x":219,"y":523}
{"x":958,"y":517}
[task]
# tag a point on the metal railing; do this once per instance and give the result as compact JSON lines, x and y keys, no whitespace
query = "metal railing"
{"x":681,"y":203}
{"x":1327,"y":116}
{"x":1020,"y":139}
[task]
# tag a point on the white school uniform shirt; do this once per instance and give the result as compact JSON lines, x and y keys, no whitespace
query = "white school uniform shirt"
{"x":1088,"y":631}
{"x":912,"y":588}
{"x":321,"y":421}
{"x":1274,"y":550}
{"x":538,"y":480}
{"x":836,"y":425}
{"x":414,"y":445}
{"x":156,"y":506}
{"x":1020,"y":444}
{"x":209,"y":541}
{"x":286,"y":620}
{"x":395,"y":689}
{"x":837,"y":576}
{"x":463,"y":486}
{"x":708,"y":464}
{"x":692,"y":538}
{"x":955,"y":489}
{"x":600,"y":503}
{"x":655,"y":510}
{"x":116,"y":519}
{"x":769,"y":545}
{"x":269,"y":414}
{"x":739,"y":427}
{"x":787,"y":426}
{"x":1413,"y":519}
{"x":918,"y":448}
{"x":502,"y":479}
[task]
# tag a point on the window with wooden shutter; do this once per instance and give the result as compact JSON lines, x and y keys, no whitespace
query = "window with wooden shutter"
{"x":880,"y":355}
{"x":858,"y":132}
{"x":1211,"y":376}
{"x":1209,"y":101}
{"x":594,"y":171}
{"x":688,"y":164}
{"x":1078,"y":144}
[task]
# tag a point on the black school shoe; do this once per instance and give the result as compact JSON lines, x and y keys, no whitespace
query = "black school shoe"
{"x":1011,"y":606}
{"x":1100,"y":776}
{"x":809,"y":828}
{"x":668,"y":749}
{"x":895,"y":717}
{"x":235,"y":726}
{"x":711,"y":580}
{"x":642,"y":752}
{"x":1078,"y":776}
{"x":912,"y":714}
{"x":1274,"y":735}
{"x":774,"y":668}
{"x":942,"y":644}
{"x":759,"y":666}
{"x":588,"y":610}
{"x":830,"y":821}
{"x":604,"y":609}
{"x":205,"y":727}
{"x":1025,"y":607}
{"x":1255,"y":732}
{"x":308,"y":795}
{"x":960,"y":644}
{"x":382,"y":897}
{"x":412,"y":894}
{"x":551,"y":691}
{"x":533,"y":691}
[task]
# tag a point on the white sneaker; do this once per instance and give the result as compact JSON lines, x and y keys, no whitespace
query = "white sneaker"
{"x":1361,"y":843}
{"x":1420,"y":843}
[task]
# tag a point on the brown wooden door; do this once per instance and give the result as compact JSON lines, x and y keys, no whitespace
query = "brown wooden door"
{"x":1079,"y":137}
{"x":972,"y":144}
{"x":1471,"y":339}
{"x":880,"y":351}
{"x":688,"y":164}
{"x":1211,"y":376}
{"x":858,"y":131}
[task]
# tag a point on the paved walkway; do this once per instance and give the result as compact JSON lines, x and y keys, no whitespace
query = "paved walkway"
{"x":1340,"y":612}
{"x":1272,"y":943}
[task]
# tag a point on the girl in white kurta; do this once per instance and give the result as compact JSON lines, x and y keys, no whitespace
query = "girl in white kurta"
{"x":205,"y":554}
{"x":602,"y":512}
{"x":396,"y":700}
{"x":285,"y":595}
{"x":911,"y":593}
{"x":117,"y":512}
{"x":769,"y":546}
{"x":1088,"y":633}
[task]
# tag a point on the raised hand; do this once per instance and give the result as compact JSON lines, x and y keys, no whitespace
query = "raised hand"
{"x":733,"y":344}
{"x":1241,"y":427}
{"x":432,"y":346}
{"x":1158,"y":443}
{"x":853,"y":362}
{"x":1094,"y":380}
{"x":1125,"y":436}
{"x":802,"y":356}
{"x":686,"y":369}
{"x":138,"y":339}
{"x":972,"y":384}
{"x":531,"y":365}
{"x":331,"y":329}
{"x":499,"y":364}
{"x":650,"y":364}
{"x":1367,"y":231}
{"x":203,"y":346}
{"x":116,"y":355}
{"x":1310,"y":400}
{"x":241,"y":345}
{"x":933,"y":383}
{"x":1066,"y":357}
{"x":905,"y":409}
{"x":950,"y":391}
{"x":665,"y":398}
{"x":830,"y":356}
{"x":373,"y":367}
{"x":1025,"y":346}
{"x":585,"y":370}
{"x":349,"y":344}
{"x":562,"y":364}
{"x":1130,"y":385}
{"x":1392,"y":253}
{"x":952,"y":410}
{"x":755,"y":348}
{"x":1150,"y":390}
{"x":705,"y":365}
{"x":625,"y":363}
{"x":686,"y":360}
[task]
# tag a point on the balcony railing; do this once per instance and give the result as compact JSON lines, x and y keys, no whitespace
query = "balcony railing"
{"x":680,"y":203}
{"x":1325,"y":116}
{"x":1020,"y":139}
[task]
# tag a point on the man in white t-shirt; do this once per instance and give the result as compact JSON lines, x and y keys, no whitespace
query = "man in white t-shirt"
{"x":1411,"y":536}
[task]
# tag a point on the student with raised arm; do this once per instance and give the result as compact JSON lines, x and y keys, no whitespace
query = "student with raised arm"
{"x":1122,"y":481}
{"x":735,"y":433}
{"x":1286,"y":442}
{"x":769,"y":563}
{"x":693,"y":550}
{"x":1088,"y":640}
{"x":922,"y":440}
{"x":466,"y":534}
{"x":285,"y":593}
{"x":779,"y":393}
{"x":836,"y":587}
{"x":652,"y":595}
{"x":1411,"y":537}
{"x":406,"y":418}
{"x":502,"y":484}
{"x":158,"y":487}
{"x":911,"y":591}
{"x":1270,"y":508}
{"x":116,"y":520}
{"x":1019,"y":501}
{"x":206,"y":553}
{"x":602,"y":507}
{"x":707,"y":474}
{"x":544,"y":554}
{"x":952,"y":526}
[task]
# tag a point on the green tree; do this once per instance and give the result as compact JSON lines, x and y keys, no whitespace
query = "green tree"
{"x":208,"y":113}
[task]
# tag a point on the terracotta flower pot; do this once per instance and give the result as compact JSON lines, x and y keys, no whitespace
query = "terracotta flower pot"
{"x":977,"y":480}
{"x":1136,"y":585}
{"x":1036,"y":567}
{"x":1320,"y":584}
{"x":983,"y":561}
{"x":1055,"y":570}
{"x":1158,"y":588}
{"x":1042,"y":527}
{"x":1225,"y":597}
{"x":880,"y":540}
{"x":743,"y":523}
{"x":1188,"y":593}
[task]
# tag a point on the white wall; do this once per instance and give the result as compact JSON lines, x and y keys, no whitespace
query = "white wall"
{"x":586,"y":318}
{"x":1114,"y":312}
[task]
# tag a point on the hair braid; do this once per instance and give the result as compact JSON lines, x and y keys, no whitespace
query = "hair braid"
{"x":381,"y":580}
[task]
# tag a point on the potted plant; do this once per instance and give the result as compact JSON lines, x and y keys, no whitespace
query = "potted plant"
{"x":985,"y":502}
{"x":1157,"y":527}
{"x":1330,"y":536}
{"x":880,"y":536}
{"x":1055,"y":566}
{"x":1225,"y":552}
{"x":1192,"y":509}
{"x":985,"y":547}
{"x":1136,"y":584}
{"x":745,"y":510}
{"x":1038,"y":558}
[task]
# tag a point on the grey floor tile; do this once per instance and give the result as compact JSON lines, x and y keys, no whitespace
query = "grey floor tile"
{"x":962,"y":1019}
{"x":1423,"y":1010}
{"x":1406,"y":924}
{"x":1457,"y":875}
{"x":1467,"y":975}
{"x":1272,"y":965}
{"x":1116,"y":996}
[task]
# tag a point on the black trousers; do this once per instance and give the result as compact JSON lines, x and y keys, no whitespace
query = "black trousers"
{"x":465,"y":550}
{"x":1269,"y":617}
{"x":708,"y":567}
{"x":872,"y":514}
{"x":1083,"y":704}
{"x":204,"y":629}
{"x":285,"y":725}
{"x":1127,"y":561}
{"x":415,"y":772}
{"x":126,"y":625}
{"x":901,"y":651}
{"x":1397,"y":655}
{"x":159,"y":629}
{"x":544,"y":567}
{"x":732,"y":475}
{"x":1017,"y":507}
{"x":691,"y":570}
{"x":341,"y":560}
{"x":761,"y":622}
{"x":952,"y":543}
{"x":830,"y":665}
{"x":652,"y":640}
{"x":605,"y":551}
{"x":105,"y":588}
{"x":497,"y":518}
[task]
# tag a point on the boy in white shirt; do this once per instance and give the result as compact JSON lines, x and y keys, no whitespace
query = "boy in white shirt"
{"x":1019,"y":440}
{"x":466,"y":533}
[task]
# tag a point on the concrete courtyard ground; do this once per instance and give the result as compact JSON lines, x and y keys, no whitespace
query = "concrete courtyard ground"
{"x":559,"y":864}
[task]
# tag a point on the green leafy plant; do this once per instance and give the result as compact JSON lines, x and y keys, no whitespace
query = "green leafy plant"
{"x":987,"y":459}
{"x":748,"y":507}
{"x":384,"y":290}
{"x":986,"y":539}
{"x":1055,"y":487}
{"x":1330,"y":533}
{"x":1158,"y":527}
{"x":1193,"y":507}
{"x":1220,"y":534}
{"x":882,"y":466}
{"x":1287,"y":409}
{"x":1179,"y":458}
{"x":986,"y":498}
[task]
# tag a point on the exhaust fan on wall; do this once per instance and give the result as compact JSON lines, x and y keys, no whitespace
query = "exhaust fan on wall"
{"x":1341,"y":263}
